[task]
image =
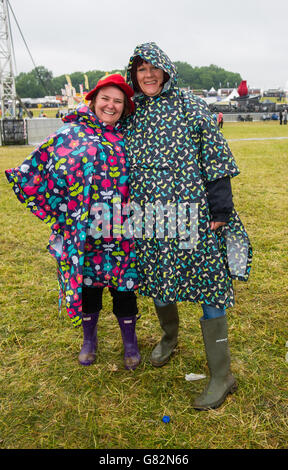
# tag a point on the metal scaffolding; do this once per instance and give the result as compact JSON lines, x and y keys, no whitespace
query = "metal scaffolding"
{"x":7,"y":79}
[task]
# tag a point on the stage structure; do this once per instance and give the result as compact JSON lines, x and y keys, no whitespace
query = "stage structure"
{"x":12,"y":129}
{"x":7,"y":80}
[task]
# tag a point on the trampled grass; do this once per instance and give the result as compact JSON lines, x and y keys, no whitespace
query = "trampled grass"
{"x":49,"y":401}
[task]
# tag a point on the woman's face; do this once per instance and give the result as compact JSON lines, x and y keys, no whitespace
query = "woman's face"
{"x":150,"y":79}
{"x":109,"y":104}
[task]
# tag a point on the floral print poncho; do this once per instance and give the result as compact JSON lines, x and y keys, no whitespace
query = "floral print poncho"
{"x":174,"y":148}
{"x":66,"y":181}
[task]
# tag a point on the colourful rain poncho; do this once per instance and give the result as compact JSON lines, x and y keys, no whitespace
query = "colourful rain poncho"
{"x":175,"y":148}
{"x":65,"y":182}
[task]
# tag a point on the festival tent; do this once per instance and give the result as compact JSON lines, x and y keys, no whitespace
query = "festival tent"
{"x":212,"y":92}
{"x":211,"y":99}
{"x":234,"y":94}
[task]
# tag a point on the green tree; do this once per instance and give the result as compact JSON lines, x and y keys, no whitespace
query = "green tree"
{"x":35,"y":84}
{"x":40,"y":82}
{"x":205,"y":77}
{"x":26,"y":86}
{"x":44,"y":79}
{"x":59,"y":84}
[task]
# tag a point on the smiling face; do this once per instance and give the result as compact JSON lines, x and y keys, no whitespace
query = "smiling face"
{"x":150,"y":79}
{"x":109,"y":104}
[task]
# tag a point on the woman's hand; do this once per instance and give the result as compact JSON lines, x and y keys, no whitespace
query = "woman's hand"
{"x":215,"y":225}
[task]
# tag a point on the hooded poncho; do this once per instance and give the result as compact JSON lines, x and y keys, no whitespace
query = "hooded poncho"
{"x":69,"y":179}
{"x":175,"y":149}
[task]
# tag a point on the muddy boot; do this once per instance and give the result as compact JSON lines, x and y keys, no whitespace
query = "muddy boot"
{"x":222,"y":382}
{"x":132,"y":356}
{"x":169,"y":321}
{"x":87,"y":354}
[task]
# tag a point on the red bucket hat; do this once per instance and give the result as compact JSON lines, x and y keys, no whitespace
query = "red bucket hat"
{"x":117,"y":80}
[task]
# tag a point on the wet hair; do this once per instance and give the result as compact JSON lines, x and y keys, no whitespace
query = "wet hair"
{"x":126,"y":110}
{"x":136,"y":63}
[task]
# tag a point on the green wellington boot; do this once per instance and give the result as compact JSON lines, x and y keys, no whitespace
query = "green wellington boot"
{"x":169,"y":321}
{"x":222,"y":382}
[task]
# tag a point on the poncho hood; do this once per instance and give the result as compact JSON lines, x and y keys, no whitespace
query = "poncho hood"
{"x":81,"y":112}
{"x":84,"y":114}
{"x":152,"y":53}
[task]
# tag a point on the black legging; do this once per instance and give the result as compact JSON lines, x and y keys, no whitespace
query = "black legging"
{"x":124,"y":302}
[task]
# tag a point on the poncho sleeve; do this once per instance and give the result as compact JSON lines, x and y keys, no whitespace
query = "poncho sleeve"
{"x":216,"y":158}
{"x":220,"y":199}
{"x":40,"y":185}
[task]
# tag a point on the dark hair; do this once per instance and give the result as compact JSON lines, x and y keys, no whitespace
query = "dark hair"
{"x":136,"y":63}
{"x":126,"y":110}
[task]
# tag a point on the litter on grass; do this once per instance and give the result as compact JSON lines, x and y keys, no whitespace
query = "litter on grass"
{"x":195,"y":376}
{"x":166,"y":419}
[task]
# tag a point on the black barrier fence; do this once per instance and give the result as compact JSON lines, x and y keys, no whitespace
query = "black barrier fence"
{"x":13,"y":132}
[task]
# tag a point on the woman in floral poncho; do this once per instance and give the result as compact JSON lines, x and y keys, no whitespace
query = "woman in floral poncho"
{"x":72,"y":181}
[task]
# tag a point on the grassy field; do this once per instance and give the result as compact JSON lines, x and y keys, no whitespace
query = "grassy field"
{"x":256,"y":129}
{"x":48,"y":401}
{"x":49,"y":112}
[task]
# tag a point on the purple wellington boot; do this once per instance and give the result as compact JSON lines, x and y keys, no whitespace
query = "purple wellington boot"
{"x":132,"y":356}
{"x":88,"y":352}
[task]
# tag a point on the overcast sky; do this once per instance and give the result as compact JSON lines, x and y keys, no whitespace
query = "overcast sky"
{"x":245,"y":36}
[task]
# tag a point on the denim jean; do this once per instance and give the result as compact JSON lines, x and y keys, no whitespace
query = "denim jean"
{"x":209,"y":311}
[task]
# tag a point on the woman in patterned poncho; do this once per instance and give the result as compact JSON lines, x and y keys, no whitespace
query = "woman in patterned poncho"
{"x":180,"y":162}
{"x":71,"y":182}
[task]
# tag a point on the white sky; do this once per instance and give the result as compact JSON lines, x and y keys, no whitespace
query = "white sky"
{"x":245,"y":36}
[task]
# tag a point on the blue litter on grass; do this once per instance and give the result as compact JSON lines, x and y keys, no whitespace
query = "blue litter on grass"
{"x":166,"y":419}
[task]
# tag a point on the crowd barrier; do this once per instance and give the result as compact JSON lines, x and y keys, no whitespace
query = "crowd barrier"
{"x":39,"y":128}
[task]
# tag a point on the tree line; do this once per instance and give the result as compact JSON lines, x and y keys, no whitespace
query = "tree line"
{"x":40,"y":82}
